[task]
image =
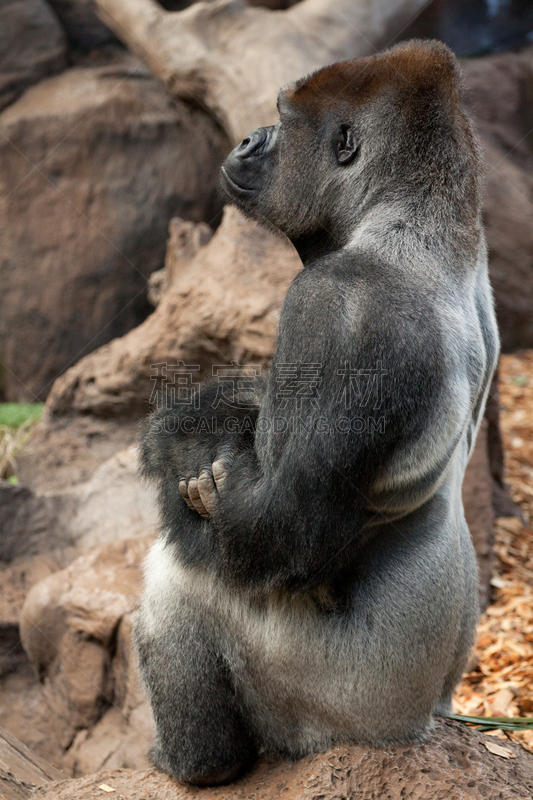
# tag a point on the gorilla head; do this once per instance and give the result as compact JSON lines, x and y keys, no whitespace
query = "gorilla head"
{"x":349,"y":134}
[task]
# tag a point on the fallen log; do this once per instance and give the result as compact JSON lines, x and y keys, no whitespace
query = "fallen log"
{"x":21,"y":770}
{"x":231,"y":59}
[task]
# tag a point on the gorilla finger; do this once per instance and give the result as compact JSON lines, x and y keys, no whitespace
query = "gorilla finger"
{"x":220,"y":473}
{"x":185,"y":494}
{"x":196,"y":500}
{"x":207,"y":489}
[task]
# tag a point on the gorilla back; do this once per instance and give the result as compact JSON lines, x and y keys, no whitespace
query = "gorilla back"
{"x":315,"y":581}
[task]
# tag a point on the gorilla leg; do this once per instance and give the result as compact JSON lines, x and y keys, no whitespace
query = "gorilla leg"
{"x":470,"y":616}
{"x":201,"y":737}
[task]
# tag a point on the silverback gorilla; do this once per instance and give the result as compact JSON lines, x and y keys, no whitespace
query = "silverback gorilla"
{"x":314,"y":581}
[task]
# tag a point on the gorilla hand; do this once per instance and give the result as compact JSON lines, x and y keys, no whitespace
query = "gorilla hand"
{"x":201,"y":493}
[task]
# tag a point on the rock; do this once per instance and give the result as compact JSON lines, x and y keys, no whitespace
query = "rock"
{"x":115,"y":504}
{"x":509,"y":222}
{"x":69,"y":627}
{"x":497,"y":89}
{"x":46,"y":531}
{"x":471,"y":27}
{"x":500,"y":95}
{"x":454,"y":764}
{"x":32,"y":523}
{"x":83,"y":26}
{"x":67,"y":452}
{"x":32,"y":45}
{"x":123,"y":736}
{"x":42,"y":532}
{"x":16,"y":579}
{"x":24,"y":713}
{"x":94,"y":163}
{"x":223,"y":306}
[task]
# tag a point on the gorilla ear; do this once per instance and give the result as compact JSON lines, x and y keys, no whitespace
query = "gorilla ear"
{"x":345,"y":146}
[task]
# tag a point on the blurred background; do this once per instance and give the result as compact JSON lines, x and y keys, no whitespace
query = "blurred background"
{"x":119,"y":268}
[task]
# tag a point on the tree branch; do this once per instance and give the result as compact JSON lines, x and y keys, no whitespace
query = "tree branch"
{"x":231,"y":59}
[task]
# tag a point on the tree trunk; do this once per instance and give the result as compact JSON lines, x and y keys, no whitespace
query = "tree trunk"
{"x":232,"y":59}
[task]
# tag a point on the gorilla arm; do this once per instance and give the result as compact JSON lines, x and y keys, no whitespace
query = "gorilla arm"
{"x":182,"y":439}
{"x":295,"y":526}
{"x":293,"y":509}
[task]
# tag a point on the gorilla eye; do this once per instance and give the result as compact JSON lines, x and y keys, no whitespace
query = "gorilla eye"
{"x":345,"y":146}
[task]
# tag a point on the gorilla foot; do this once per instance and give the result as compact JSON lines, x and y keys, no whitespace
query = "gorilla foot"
{"x":216,"y":777}
{"x":199,"y":773}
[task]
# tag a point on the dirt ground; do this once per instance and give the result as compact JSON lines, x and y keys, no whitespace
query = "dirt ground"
{"x":500,"y":682}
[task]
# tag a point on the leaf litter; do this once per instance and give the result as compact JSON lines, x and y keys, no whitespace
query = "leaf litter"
{"x":500,"y":678}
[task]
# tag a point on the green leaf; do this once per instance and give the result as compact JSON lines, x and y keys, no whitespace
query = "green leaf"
{"x":494,"y":723}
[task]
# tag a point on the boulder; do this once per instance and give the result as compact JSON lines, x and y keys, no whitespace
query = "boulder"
{"x":113,"y":505}
{"x":61,"y":455}
{"x":500,"y":94}
{"x":95,"y":162}
{"x":223,"y":305}
{"x":33,"y":523}
{"x":43,"y":532}
{"x":454,"y":764}
{"x":81,"y":23}
{"x":32,"y":45}
{"x":508,"y":213}
{"x":71,"y":630}
{"x":123,"y":735}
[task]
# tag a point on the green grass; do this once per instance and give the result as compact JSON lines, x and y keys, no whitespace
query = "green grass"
{"x":16,"y":426}
{"x":13,"y":415}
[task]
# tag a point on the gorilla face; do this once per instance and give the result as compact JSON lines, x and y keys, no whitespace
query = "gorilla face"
{"x":285,"y":174}
{"x":248,"y":165}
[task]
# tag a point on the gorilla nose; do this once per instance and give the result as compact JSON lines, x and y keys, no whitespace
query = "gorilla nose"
{"x":252,"y":143}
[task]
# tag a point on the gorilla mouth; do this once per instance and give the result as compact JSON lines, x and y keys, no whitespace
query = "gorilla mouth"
{"x":237,"y":187}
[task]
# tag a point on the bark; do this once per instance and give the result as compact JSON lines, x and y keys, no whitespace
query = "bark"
{"x":231,"y":59}
{"x":22,"y":771}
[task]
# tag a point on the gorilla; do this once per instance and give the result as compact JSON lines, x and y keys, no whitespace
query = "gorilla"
{"x":314,"y":581}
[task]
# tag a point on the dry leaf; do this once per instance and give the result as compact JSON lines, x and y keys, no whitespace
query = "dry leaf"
{"x":501,"y":701}
{"x":498,"y":750}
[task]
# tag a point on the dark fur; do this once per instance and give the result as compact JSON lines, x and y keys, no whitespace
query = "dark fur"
{"x":351,"y":542}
